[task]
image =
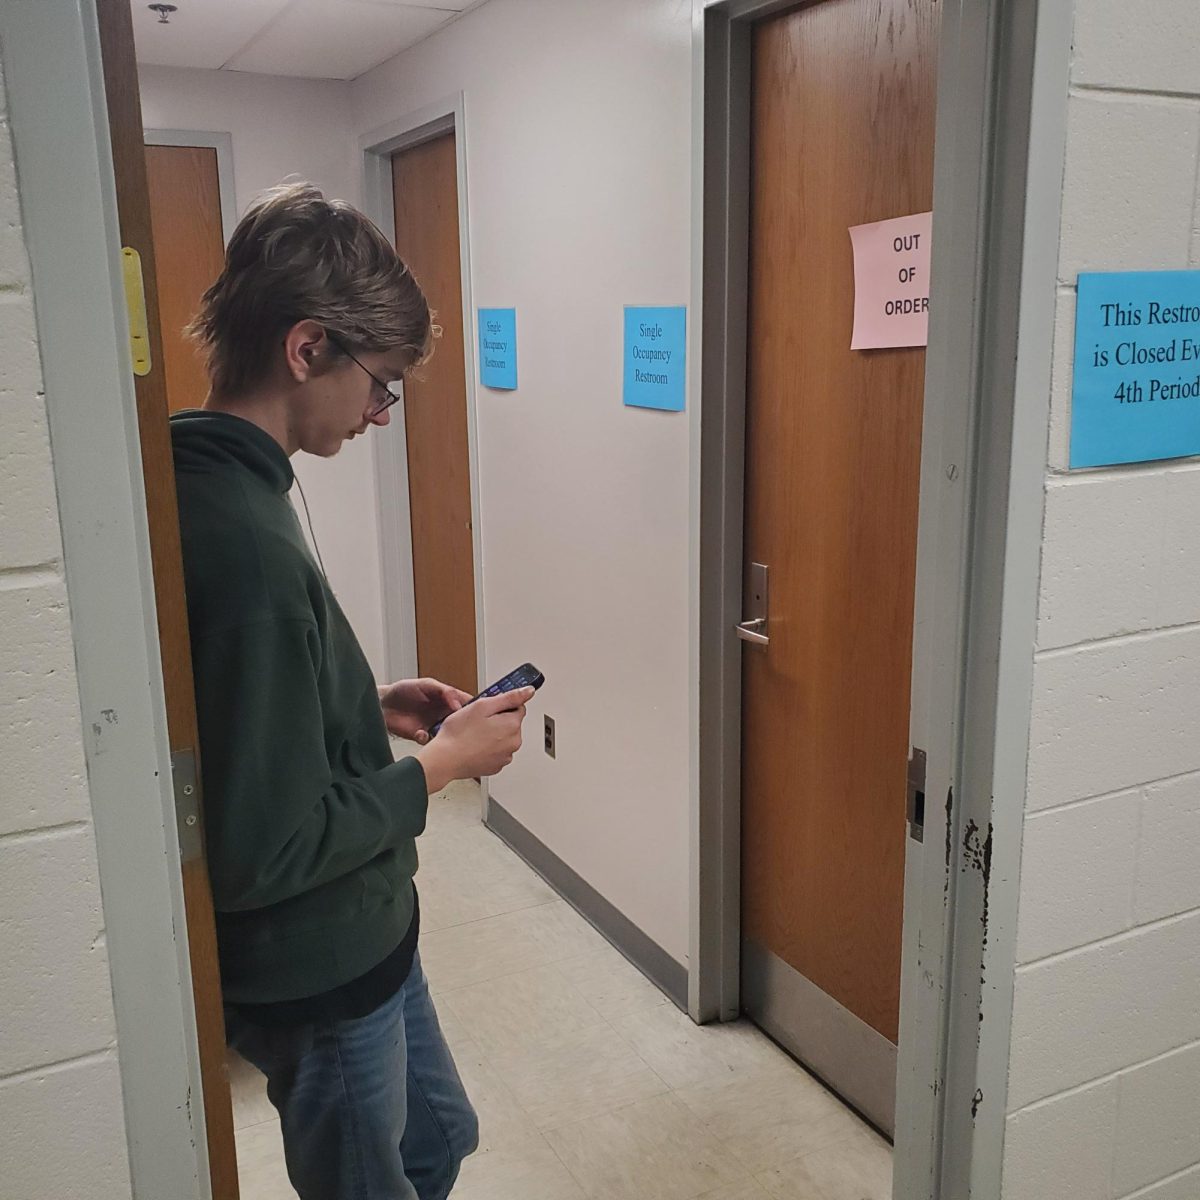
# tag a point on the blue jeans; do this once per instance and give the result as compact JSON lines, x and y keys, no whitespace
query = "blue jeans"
{"x":372,"y":1108}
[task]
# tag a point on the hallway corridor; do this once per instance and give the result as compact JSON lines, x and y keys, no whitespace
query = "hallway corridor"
{"x":589,"y":1083}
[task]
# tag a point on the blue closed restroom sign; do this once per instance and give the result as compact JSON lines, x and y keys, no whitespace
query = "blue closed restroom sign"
{"x":1136,"y":395}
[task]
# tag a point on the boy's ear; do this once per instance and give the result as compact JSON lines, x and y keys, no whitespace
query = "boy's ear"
{"x":302,"y":345}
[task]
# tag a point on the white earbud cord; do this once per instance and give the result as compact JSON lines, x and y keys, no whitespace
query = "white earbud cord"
{"x":311,"y":533}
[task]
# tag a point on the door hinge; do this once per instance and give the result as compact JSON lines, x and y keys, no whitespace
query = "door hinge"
{"x":916,"y":795}
{"x":135,"y":303}
{"x":187,"y":804}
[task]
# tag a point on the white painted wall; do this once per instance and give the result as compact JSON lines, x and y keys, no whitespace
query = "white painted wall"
{"x":1104,"y":1095}
{"x":62,"y":1131}
{"x":578,"y":135}
{"x":283,"y":127}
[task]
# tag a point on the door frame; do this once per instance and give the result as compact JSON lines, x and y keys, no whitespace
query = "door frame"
{"x":69,"y":214}
{"x":1000,"y":143}
{"x":222,"y":143}
{"x":390,"y":447}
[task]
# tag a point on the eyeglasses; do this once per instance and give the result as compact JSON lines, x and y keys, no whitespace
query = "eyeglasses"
{"x":393,"y":390}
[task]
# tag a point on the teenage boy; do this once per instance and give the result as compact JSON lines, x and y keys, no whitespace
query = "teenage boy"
{"x":311,"y":825}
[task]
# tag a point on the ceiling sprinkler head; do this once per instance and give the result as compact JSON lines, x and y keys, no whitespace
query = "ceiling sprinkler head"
{"x":164,"y":12}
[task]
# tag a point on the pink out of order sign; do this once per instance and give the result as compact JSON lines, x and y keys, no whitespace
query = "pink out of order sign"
{"x":891,"y":282}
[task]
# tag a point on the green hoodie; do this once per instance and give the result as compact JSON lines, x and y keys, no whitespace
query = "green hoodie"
{"x":309,"y":822}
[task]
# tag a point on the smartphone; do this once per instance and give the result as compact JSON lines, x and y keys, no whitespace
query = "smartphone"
{"x":524,"y":676}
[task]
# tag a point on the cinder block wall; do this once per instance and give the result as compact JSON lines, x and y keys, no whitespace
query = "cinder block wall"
{"x":62,"y":1132}
{"x":1104,"y":1095}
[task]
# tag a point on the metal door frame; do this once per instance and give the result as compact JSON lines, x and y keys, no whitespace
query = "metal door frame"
{"x":1000,"y":140}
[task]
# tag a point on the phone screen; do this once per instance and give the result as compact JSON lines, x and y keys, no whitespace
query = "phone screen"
{"x":526,"y":675}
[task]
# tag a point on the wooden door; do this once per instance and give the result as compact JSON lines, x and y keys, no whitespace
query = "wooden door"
{"x":425,"y":183}
{"x":125,"y":124}
{"x":842,"y":134}
{"x":189,"y":249}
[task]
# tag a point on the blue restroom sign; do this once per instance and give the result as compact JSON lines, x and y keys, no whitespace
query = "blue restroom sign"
{"x":1136,"y":395}
{"x":498,"y":348}
{"x":655,"y":358}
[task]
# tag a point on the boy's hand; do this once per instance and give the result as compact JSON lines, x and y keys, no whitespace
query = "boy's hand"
{"x":481,"y":740}
{"x":411,"y":706}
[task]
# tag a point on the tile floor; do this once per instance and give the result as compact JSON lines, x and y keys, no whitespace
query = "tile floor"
{"x":589,"y":1084}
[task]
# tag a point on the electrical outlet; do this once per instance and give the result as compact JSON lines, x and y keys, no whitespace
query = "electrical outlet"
{"x":550,"y":737}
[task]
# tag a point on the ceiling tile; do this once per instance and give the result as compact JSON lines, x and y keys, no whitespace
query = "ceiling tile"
{"x":203,"y":33}
{"x":336,"y":39}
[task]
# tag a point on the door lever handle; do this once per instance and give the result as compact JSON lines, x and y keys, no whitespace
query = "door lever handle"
{"x":754,"y":628}
{"x":752,"y":631}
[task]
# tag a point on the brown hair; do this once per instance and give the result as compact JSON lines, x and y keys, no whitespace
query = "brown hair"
{"x":297,"y":256}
